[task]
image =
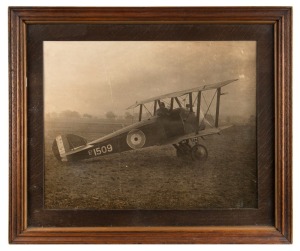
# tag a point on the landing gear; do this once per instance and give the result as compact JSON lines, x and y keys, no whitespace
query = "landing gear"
{"x":183,"y":150}
{"x":191,"y":150}
{"x":199,"y":153}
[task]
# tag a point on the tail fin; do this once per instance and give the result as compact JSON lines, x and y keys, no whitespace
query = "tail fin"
{"x":65,"y":143}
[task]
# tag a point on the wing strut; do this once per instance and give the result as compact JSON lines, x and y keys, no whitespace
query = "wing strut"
{"x":141,"y":112}
{"x":198,"y":111}
{"x":218,"y":107}
{"x":178,"y":102}
{"x":155,"y":105}
{"x":172,"y":104}
{"x":191,"y":101}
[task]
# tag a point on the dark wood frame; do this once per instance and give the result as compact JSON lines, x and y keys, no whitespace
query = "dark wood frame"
{"x":279,"y":232}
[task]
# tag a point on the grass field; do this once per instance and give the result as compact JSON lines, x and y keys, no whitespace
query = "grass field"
{"x":152,"y":178}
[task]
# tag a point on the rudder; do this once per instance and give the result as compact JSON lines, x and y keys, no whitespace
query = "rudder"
{"x":63,"y":144}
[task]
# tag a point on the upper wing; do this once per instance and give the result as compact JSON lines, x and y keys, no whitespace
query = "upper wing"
{"x":180,"y":93}
{"x":201,"y":133}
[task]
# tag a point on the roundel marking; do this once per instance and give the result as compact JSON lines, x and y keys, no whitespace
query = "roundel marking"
{"x":136,"y":139}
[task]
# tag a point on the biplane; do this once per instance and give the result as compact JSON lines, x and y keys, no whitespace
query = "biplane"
{"x":182,"y":125}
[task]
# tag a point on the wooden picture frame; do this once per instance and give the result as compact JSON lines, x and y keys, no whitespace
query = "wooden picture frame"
{"x":270,"y":223}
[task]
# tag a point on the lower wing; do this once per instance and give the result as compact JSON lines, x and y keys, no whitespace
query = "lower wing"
{"x":201,"y":133}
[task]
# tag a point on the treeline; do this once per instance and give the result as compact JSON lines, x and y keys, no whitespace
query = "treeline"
{"x":68,"y":114}
{"x":130,"y":118}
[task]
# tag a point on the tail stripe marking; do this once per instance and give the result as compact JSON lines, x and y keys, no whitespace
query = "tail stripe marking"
{"x":60,"y":146}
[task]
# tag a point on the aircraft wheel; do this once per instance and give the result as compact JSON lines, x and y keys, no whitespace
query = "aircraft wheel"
{"x":199,"y":153}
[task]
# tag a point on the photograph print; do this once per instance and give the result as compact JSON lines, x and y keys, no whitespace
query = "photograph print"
{"x":163,"y":125}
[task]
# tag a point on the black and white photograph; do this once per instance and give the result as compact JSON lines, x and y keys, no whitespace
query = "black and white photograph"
{"x":150,"y":125}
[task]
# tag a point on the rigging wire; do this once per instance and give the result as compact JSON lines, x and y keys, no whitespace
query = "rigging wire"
{"x":209,"y":107}
{"x":147,"y":110}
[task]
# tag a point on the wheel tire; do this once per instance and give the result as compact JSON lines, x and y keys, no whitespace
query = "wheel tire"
{"x":199,"y":153}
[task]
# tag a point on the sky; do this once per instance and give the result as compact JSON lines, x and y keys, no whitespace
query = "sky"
{"x":98,"y":76}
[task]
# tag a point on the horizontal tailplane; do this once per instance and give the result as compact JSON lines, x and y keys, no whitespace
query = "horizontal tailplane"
{"x":63,"y":144}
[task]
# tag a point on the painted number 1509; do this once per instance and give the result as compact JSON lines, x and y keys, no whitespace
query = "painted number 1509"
{"x":103,"y":150}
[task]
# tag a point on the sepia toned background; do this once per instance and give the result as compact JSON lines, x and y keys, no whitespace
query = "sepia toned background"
{"x":89,"y":85}
{"x":96,"y":77}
